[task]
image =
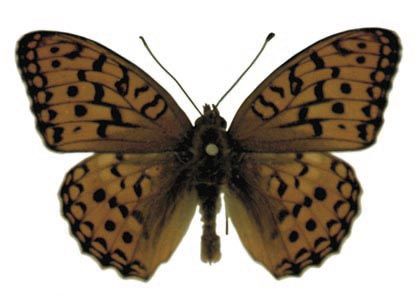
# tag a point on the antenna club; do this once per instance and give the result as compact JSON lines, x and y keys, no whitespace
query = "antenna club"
{"x":270,"y":36}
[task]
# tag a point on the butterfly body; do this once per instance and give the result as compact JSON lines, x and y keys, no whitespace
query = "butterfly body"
{"x":206,"y":155}
{"x":291,"y":202}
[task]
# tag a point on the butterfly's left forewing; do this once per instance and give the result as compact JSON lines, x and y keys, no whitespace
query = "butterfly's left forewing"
{"x":329,"y":97}
{"x":292,"y":210}
{"x":129,"y":211}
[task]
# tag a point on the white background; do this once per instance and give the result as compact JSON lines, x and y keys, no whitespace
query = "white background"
{"x":206,"y":44}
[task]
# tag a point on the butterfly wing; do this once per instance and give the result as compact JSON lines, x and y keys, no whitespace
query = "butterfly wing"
{"x":129,"y":211}
{"x":292,"y":210}
{"x":87,"y":98}
{"x":331,"y":96}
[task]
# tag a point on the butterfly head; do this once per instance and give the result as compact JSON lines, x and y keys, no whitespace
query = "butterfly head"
{"x":211,"y":117}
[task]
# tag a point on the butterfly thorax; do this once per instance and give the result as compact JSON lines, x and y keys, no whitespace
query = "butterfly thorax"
{"x":210,"y":147}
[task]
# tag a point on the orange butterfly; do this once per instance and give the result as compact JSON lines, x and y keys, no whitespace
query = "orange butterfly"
{"x":291,"y":202}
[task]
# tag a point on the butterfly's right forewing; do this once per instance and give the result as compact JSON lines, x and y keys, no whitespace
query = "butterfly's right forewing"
{"x":87,"y":98}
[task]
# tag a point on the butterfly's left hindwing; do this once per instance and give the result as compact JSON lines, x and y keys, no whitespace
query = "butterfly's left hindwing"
{"x":128,"y":211}
{"x":292,"y":210}
{"x":87,"y":98}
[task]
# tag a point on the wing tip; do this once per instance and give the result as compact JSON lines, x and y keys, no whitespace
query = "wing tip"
{"x":390,"y":38}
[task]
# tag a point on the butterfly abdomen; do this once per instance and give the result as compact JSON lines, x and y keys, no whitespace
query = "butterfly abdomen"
{"x":209,"y":206}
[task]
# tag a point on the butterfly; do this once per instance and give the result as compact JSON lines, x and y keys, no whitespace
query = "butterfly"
{"x":290,"y":200}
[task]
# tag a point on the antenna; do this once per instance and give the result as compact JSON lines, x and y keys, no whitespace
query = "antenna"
{"x":267,"y":39}
{"x":167,"y":72}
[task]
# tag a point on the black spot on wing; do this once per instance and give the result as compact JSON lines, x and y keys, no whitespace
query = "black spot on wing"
{"x":140,"y":90}
{"x":97,"y":64}
{"x":80,"y":110}
{"x":75,"y":53}
{"x":295,"y":82}
{"x":154,"y":103}
{"x":81,"y":75}
{"x":282,"y":188}
{"x":303,"y":112}
{"x":335,"y":72}
{"x":362,"y":131}
{"x":316,"y":125}
{"x":123,"y":210}
{"x":319,"y":63}
{"x":58,"y":134}
{"x":367,"y":110}
{"x":267,"y":104}
{"x":101,"y":130}
{"x":282,"y":215}
{"x":122,"y":84}
{"x":278,"y":90}
{"x":51,"y":114}
{"x":296,"y":210}
{"x":116,"y":115}
{"x":99,"y":92}
{"x":319,"y":90}
{"x":138,"y":216}
{"x":115,"y":172}
{"x":72,"y":91}
{"x":137,"y":188}
{"x":342,"y":51}
{"x":304,"y":170}
{"x":338,"y":108}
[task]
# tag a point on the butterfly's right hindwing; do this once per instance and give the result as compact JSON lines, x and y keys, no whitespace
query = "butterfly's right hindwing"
{"x":128,"y":211}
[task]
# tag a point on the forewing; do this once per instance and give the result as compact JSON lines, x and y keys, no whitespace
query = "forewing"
{"x":128,"y":211}
{"x":292,"y":210}
{"x":331,"y":96}
{"x":87,"y":98}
